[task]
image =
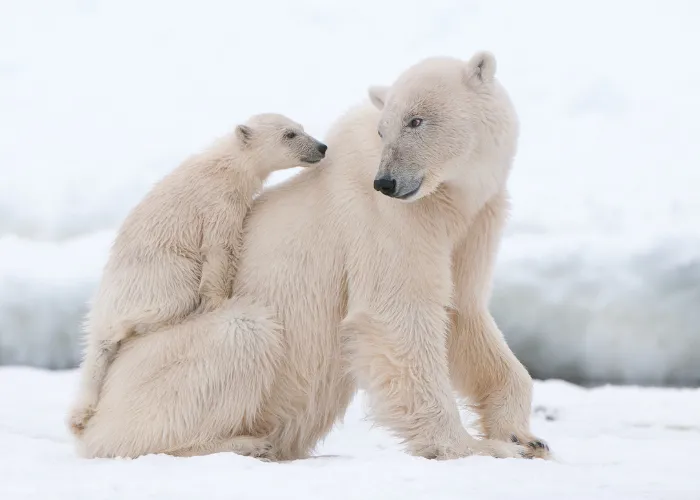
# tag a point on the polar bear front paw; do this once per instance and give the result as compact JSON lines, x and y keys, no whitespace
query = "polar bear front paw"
{"x":500,"y":449}
{"x":536,"y":448}
{"x":482,"y":447}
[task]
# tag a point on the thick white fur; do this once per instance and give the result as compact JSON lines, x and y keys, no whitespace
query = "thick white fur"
{"x":369,"y":291}
{"x":176,"y":252}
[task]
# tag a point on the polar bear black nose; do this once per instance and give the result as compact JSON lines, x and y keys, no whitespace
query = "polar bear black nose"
{"x":322,"y":148}
{"x":386,"y":185}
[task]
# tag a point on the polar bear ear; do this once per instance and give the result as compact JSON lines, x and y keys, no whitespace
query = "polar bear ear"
{"x":481,"y":68}
{"x":244,"y":134}
{"x":377,"y":94}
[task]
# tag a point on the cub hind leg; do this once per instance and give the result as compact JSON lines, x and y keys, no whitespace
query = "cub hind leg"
{"x":99,"y":355}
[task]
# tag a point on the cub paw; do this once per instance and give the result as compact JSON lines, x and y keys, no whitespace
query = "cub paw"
{"x":79,"y":417}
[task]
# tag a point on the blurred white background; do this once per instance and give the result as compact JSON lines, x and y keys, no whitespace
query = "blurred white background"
{"x":599,"y":275}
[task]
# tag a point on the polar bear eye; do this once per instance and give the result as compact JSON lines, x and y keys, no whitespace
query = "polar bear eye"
{"x":379,"y":133}
{"x":415,"y":122}
{"x":290,"y":135}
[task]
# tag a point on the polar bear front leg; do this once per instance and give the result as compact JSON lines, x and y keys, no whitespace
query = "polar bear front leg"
{"x":406,"y":377}
{"x":483,"y":369}
{"x":486,"y":372}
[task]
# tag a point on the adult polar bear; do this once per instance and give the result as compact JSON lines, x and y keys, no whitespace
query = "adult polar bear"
{"x":384,"y":286}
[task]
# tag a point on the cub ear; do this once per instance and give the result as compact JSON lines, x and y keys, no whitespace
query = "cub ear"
{"x":481,"y":68}
{"x":377,"y":94}
{"x":244,"y":134}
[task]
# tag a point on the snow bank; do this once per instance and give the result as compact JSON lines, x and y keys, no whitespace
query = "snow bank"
{"x":44,"y":290}
{"x":598,"y":276}
{"x":610,"y":443}
{"x":602,"y":313}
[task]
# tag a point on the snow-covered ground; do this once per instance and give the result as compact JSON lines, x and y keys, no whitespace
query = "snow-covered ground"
{"x":611,"y":443}
{"x":599,"y":275}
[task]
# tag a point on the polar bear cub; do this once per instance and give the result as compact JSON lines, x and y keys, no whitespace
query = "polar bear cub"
{"x":176,"y":252}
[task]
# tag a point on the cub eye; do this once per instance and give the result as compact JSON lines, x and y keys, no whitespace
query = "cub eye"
{"x":290,"y":135}
{"x":379,"y":133}
{"x":415,"y":122}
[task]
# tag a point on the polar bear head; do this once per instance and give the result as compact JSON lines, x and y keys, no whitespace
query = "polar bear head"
{"x":445,"y":120}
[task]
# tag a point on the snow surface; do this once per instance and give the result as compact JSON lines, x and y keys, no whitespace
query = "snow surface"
{"x":611,"y":443}
{"x":599,"y":275}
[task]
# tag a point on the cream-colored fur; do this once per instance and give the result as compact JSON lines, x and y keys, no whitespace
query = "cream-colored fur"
{"x":340,"y":286}
{"x":176,"y":252}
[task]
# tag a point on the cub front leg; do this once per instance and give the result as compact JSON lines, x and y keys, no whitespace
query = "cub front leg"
{"x":405,"y":374}
{"x":217,"y":277}
{"x":221,"y":243}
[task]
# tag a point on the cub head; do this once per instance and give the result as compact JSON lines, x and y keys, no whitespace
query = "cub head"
{"x":278,"y":142}
{"x":444,"y":121}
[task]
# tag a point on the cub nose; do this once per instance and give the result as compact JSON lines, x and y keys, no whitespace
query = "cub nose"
{"x":322,"y":148}
{"x":385,"y":185}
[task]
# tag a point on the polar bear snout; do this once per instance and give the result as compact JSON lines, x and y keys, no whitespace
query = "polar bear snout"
{"x":401,"y":187}
{"x":385,"y":185}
